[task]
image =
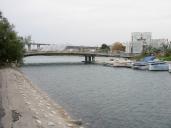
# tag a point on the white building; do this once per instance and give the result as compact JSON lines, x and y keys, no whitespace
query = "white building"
{"x":139,"y":40}
{"x":141,"y":36}
{"x":128,"y":47}
{"x":157,"y":43}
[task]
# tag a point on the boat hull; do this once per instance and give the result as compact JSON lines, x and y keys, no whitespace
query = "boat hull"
{"x":170,"y":68}
{"x":158,"y":67}
{"x":140,"y":65}
{"x":145,"y":67}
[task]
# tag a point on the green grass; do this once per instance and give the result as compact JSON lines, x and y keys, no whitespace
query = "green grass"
{"x":165,"y":58}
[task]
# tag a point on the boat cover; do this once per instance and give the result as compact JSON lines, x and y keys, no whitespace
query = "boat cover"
{"x":148,"y":58}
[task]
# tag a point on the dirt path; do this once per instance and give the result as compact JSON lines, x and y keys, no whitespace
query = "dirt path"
{"x":25,"y":106}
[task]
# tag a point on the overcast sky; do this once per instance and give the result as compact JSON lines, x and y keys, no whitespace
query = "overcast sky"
{"x":88,"y":22}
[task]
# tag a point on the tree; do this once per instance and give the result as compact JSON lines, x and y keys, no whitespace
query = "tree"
{"x":104,"y":48}
{"x":117,"y":46}
{"x":11,"y":45}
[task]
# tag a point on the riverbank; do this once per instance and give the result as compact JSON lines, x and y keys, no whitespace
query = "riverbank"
{"x":23,"y":105}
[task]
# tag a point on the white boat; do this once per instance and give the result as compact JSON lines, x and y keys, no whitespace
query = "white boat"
{"x":158,"y":66}
{"x":108,"y":65}
{"x":130,"y":64}
{"x":140,"y":65}
{"x":144,"y":64}
{"x":170,"y":68}
{"x":121,"y":63}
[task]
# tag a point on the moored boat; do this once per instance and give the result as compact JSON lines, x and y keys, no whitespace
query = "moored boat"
{"x":158,"y":66}
{"x":144,"y":64}
{"x":140,"y":65}
{"x":122,"y":63}
{"x":129,"y":64}
{"x":108,"y":64}
{"x":170,"y":68}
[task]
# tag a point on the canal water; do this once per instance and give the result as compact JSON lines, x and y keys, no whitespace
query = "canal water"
{"x":105,"y":97}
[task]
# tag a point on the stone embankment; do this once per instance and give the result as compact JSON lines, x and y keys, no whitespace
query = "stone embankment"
{"x":23,"y":105}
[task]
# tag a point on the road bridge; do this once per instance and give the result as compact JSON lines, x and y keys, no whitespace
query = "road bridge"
{"x":89,"y":56}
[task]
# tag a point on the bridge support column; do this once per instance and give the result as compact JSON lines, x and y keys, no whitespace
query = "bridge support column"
{"x":86,"y":60}
{"x":29,"y":47}
{"x":89,"y":59}
{"x":93,"y":59}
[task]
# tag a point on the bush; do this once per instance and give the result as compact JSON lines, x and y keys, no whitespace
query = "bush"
{"x":104,"y":48}
{"x":166,"y":58}
{"x":117,"y":47}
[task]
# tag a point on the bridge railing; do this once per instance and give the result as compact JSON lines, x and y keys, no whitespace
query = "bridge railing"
{"x":90,"y":52}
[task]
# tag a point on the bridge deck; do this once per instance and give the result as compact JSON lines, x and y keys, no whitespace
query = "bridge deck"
{"x":50,"y":53}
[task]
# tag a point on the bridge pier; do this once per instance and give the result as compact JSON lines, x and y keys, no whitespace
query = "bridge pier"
{"x":89,"y":59}
{"x":86,"y":59}
{"x":93,"y":59}
{"x":29,"y":47}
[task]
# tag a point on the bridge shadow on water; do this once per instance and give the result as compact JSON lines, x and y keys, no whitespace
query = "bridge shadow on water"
{"x":57,"y":64}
